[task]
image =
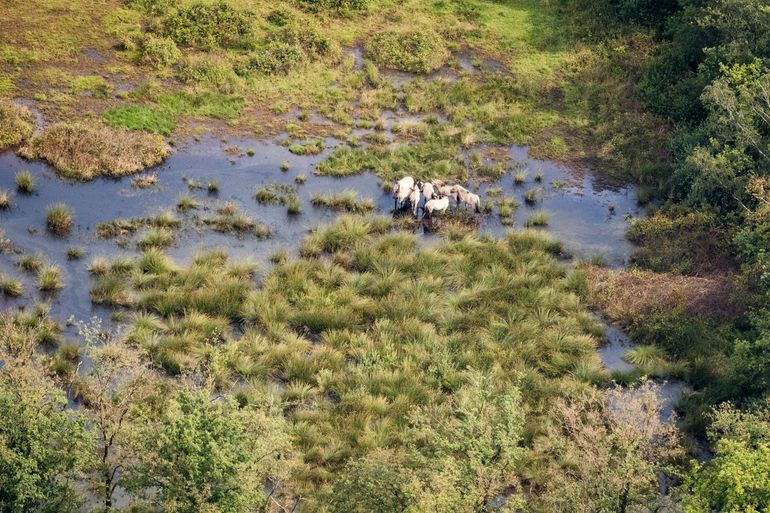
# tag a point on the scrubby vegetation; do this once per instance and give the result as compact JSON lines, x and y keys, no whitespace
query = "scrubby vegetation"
{"x":370,"y":374}
{"x":418,"y":51}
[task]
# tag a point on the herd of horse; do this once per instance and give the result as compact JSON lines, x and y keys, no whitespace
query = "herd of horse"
{"x":436,"y":193}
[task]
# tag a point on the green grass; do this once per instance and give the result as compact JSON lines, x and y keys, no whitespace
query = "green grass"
{"x":347,"y":201}
{"x":59,"y":219}
{"x":16,"y":123}
{"x":538,"y":219}
{"x":140,"y":117}
{"x":10,"y":287}
{"x":74,"y":253}
{"x":157,"y":237}
{"x":25,"y":182}
{"x":532,"y":196}
{"x":388,"y":327}
{"x":309,"y":147}
{"x":229,"y":220}
{"x":30,"y":263}
{"x":186,"y":203}
{"x":50,"y":278}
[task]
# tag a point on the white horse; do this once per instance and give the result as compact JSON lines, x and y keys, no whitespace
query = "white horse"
{"x":468,"y":199}
{"x":402,"y":189}
{"x":436,"y":205}
{"x":442,"y":189}
{"x":428,"y":191}
{"x":414,"y":199}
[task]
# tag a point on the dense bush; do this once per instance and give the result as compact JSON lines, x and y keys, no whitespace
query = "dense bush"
{"x":159,"y":52}
{"x":286,"y":49}
{"x":340,"y":7}
{"x":417,"y":51}
{"x":209,"y":26}
{"x":212,"y":71}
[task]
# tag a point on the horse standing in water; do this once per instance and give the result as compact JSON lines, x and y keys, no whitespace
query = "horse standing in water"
{"x":401,"y":191}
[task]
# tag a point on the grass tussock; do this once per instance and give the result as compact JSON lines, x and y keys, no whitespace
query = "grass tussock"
{"x":347,"y":201}
{"x":11,"y":287}
{"x":5,"y":199}
{"x":16,"y":124}
{"x":25,"y":182}
{"x":85,"y":152}
{"x":381,"y":326}
{"x":58,"y":219}
{"x":49,"y":278}
{"x":229,"y":219}
{"x":538,"y":219}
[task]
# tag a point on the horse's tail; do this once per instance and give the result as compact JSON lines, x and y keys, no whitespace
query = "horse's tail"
{"x":478,"y":209}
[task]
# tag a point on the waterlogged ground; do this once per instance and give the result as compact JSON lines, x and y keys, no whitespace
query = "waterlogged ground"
{"x":578,"y":208}
{"x":578,"y":205}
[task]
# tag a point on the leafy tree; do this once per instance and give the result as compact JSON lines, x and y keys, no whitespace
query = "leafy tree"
{"x":43,"y":447}
{"x":209,"y":455}
{"x":112,"y":388}
{"x":737,"y":479}
{"x":605,"y":451}
{"x":474,"y":443}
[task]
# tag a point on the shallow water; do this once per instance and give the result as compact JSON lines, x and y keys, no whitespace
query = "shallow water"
{"x":617,"y":343}
{"x":579,"y":213}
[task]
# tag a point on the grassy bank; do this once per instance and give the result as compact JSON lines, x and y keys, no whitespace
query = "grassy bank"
{"x":507,"y":73}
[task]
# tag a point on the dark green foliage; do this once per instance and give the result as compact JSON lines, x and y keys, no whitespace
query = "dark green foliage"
{"x":209,"y":26}
{"x":339,"y":7}
{"x":286,"y":49}
{"x":42,"y":446}
{"x":202,"y":454}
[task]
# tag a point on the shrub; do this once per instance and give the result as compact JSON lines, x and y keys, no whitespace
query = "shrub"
{"x":417,"y":51}
{"x":25,"y":182}
{"x":208,"y":70}
{"x":339,"y":7}
{"x":140,"y":117}
{"x":159,"y":52}
{"x":208,"y":26}
{"x":50,"y":278}
{"x":16,"y":124}
{"x":280,"y":16}
{"x":59,"y":219}
{"x":285,"y":50}
{"x":87,"y":151}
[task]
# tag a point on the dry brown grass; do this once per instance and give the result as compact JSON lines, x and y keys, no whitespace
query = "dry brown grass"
{"x":16,"y":124}
{"x":624,"y":295}
{"x":86,"y":152}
